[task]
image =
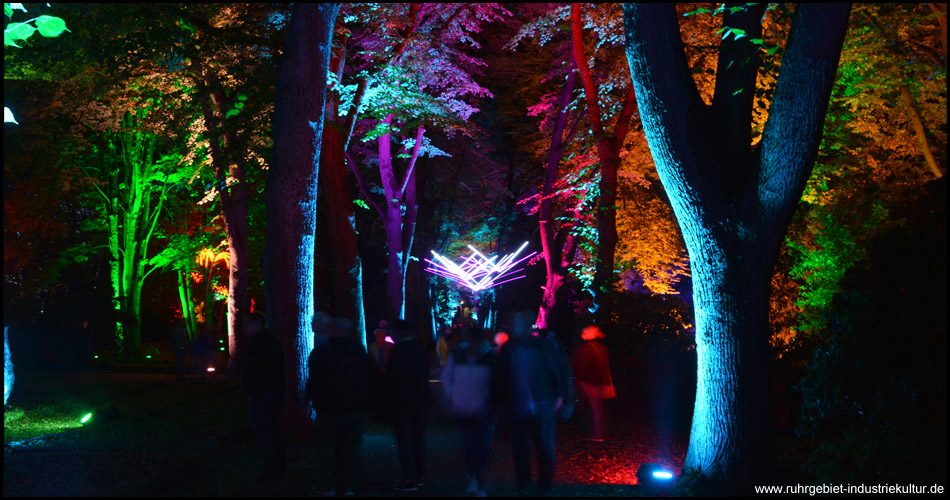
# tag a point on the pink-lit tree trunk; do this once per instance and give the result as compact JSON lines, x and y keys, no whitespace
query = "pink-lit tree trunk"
{"x":399,"y":228}
{"x":234,"y":210}
{"x":558,"y":246}
{"x":608,"y":151}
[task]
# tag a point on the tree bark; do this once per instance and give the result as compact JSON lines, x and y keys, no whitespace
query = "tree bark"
{"x":556,"y":260}
{"x":920,"y":132}
{"x":234,"y":210}
{"x":291,"y":197}
{"x":608,"y":151}
{"x":733,"y":204}
{"x":346,"y":270}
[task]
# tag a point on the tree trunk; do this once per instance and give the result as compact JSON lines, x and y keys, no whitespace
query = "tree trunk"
{"x":187,"y":307}
{"x":920,"y":132}
{"x":292,"y":195}
{"x":733,"y":205}
{"x":608,"y":151}
{"x":234,"y":210}
{"x":346,"y":269}
{"x":553,"y":238}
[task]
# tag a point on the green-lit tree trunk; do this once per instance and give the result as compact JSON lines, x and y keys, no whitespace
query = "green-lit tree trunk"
{"x":733,"y":203}
{"x":132,"y":197}
{"x":187,"y":305}
{"x":292,"y":196}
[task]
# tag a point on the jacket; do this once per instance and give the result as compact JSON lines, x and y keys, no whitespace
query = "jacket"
{"x":468,"y":382}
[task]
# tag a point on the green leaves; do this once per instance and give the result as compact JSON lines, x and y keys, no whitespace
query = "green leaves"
{"x":16,"y":32}
{"x":50,"y":26}
{"x":8,"y":8}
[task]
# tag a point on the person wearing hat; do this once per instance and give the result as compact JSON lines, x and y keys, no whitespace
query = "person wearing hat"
{"x":340,"y":387}
{"x":592,"y":370}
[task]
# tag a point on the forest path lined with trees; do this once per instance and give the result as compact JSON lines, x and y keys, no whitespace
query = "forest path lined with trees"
{"x":192,"y":438}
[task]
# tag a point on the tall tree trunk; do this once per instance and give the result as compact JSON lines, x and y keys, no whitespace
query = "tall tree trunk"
{"x":234,"y":210}
{"x":556,"y":260}
{"x":733,"y":204}
{"x":292,"y":195}
{"x":399,"y":229}
{"x":346,"y":269}
{"x":608,"y":151}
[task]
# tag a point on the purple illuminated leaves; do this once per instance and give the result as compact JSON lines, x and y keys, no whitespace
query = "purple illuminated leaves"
{"x":431,"y":79}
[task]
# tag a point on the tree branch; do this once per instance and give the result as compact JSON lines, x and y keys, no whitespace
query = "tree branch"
{"x":796,"y":116}
{"x":362,"y":184}
{"x":626,"y":113}
{"x":580,"y":60}
{"x":412,"y":161}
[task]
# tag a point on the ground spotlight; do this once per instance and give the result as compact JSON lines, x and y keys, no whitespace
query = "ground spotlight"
{"x":654,"y":478}
{"x":86,"y":418}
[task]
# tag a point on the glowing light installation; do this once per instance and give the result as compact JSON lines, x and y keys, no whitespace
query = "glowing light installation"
{"x":477,"y":271}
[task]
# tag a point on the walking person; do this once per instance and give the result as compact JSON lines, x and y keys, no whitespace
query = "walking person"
{"x":531,"y":390}
{"x":592,"y":372}
{"x":404,"y":400}
{"x":382,"y":348}
{"x":340,"y":388}
{"x":467,"y":380}
{"x":263,"y":380}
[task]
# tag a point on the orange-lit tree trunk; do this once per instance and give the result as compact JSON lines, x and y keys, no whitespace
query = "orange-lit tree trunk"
{"x":608,"y":151}
{"x":292,"y":196}
{"x":733,"y":203}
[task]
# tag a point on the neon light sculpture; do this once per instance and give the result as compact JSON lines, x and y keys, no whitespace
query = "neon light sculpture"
{"x":478,"y":272}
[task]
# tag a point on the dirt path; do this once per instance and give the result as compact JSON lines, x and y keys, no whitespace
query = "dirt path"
{"x":164,"y":445}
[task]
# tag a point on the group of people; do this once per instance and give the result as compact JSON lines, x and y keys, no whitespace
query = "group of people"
{"x":521,"y":385}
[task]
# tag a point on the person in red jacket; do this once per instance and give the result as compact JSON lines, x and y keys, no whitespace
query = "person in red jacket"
{"x":592,"y":374}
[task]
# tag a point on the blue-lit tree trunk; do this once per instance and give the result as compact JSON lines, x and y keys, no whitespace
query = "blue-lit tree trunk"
{"x":7,"y":368}
{"x":733,"y":203}
{"x":292,"y":196}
